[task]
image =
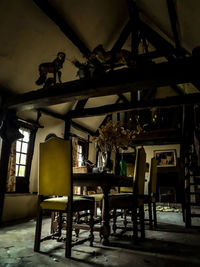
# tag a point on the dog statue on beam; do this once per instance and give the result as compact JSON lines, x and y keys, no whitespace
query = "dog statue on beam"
{"x":51,"y":67}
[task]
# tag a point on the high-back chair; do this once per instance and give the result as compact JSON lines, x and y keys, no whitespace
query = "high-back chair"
{"x":55,"y":191}
{"x":133,"y":201}
{"x":151,"y":197}
{"x":129,"y":172}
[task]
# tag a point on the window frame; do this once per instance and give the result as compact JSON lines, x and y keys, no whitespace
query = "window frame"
{"x":23,"y":182}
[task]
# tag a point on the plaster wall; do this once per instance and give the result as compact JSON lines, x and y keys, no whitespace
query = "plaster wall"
{"x":19,"y":206}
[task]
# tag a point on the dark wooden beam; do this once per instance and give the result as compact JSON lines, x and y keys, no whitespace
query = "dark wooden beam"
{"x":177,"y":89}
{"x":123,"y":98}
{"x":167,"y":102}
{"x":174,"y":24}
{"x":81,"y":104}
{"x":157,"y":41}
{"x":64,"y":118}
{"x":52,"y":114}
{"x":107,"y":117}
{"x":163,"y":45}
{"x":82,"y":128}
{"x":62,"y":24}
{"x":134,"y":19}
{"x":123,"y":37}
{"x":120,"y":81}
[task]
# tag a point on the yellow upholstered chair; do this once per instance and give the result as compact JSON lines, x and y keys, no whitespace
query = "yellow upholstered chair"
{"x":151,"y":197}
{"x":55,"y":191}
{"x":133,"y":201}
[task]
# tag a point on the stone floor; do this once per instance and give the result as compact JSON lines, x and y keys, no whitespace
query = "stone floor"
{"x":169,"y":245}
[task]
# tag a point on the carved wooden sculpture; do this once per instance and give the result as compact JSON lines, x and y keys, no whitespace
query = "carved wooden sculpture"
{"x":113,"y":58}
{"x":51,"y":67}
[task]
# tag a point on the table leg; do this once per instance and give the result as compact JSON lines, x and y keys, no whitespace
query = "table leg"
{"x":105,"y":228}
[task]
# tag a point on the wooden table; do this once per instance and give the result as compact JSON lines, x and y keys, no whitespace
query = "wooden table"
{"x":105,"y":181}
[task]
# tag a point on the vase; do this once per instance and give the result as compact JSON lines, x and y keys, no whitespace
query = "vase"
{"x":109,"y":163}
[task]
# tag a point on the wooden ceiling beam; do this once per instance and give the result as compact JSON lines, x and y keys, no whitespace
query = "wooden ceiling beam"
{"x":107,"y":117}
{"x":81,"y":104}
{"x":169,"y":102}
{"x":123,"y":98}
{"x":174,"y":25}
{"x":157,"y":41}
{"x":64,"y":118}
{"x":51,"y":113}
{"x":123,"y":37}
{"x":163,"y":45}
{"x":120,"y":81}
{"x":82,"y":128}
{"x":134,"y":19}
{"x":62,"y":24}
{"x":177,"y":89}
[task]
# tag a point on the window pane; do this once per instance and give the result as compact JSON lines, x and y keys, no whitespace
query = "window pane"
{"x":22,"y":132}
{"x":17,"y":158}
{"x":24,"y":147}
{"x":26,"y":136}
{"x":23,"y":159}
{"x":21,"y":171}
{"x":18,"y":146}
{"x":16,"y":170}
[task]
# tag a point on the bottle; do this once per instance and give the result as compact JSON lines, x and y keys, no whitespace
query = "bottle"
{"x":122,"y":167}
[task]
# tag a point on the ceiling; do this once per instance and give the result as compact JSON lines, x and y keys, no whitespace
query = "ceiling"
{"x":29,"y":36}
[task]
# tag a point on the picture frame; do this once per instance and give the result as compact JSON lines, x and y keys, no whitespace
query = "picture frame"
{"x":165,"y":158}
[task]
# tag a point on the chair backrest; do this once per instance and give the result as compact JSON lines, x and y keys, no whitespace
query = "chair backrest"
{"x":129,"y":172}
{"x":55,"y":167}
{"x":153,"y":177}
{"x":139,"y":172}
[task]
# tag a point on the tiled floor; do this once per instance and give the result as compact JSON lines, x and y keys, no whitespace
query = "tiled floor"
{"x":170,"y":245}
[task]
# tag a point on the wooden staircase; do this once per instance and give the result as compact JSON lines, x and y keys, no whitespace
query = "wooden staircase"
{"x":192,"y":187}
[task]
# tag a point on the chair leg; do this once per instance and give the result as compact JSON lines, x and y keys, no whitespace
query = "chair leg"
{"x":150,"y":215}
{"x":59,"y":223}
{"x":114,"y":221}
{"x":154,"y":214}
{"x":125,"y":218}
{"x":52,"y":221}
{"x":91,"y":227}
{"x":77,"y":230}
{"x":135,"y":225}
{"x":183,"y":211}
{"x":95,"y":210}
{"x":38,"y":231}
{"x":142,"y":227}
{"x":68,"y":234}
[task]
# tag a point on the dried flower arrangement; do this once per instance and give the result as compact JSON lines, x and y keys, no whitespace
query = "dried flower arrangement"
{"x":113,"y":136}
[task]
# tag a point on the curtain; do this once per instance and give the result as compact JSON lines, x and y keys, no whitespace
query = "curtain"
{"x":74,"y":152}
{"x":11,"y":178}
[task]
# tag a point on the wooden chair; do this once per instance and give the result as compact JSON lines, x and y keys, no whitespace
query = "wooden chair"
{"x":151,"y":197}
{"x":133,"y":201}
{"x":56,"y":194}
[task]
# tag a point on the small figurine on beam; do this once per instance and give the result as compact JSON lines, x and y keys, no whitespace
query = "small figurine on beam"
{"x":51,"y":67}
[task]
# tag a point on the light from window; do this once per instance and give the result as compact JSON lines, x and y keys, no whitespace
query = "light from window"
{"x":80,"y":155}
{"x":21,"y":153}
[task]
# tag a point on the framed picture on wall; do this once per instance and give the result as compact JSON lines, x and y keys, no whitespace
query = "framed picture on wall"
{"x":165,"y":158}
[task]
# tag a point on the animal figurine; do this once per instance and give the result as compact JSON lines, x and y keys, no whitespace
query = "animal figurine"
{"x":113,"y":59}
{"x":51,"y":67}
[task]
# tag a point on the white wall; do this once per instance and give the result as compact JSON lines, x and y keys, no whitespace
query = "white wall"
{"x":19,"y":206}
